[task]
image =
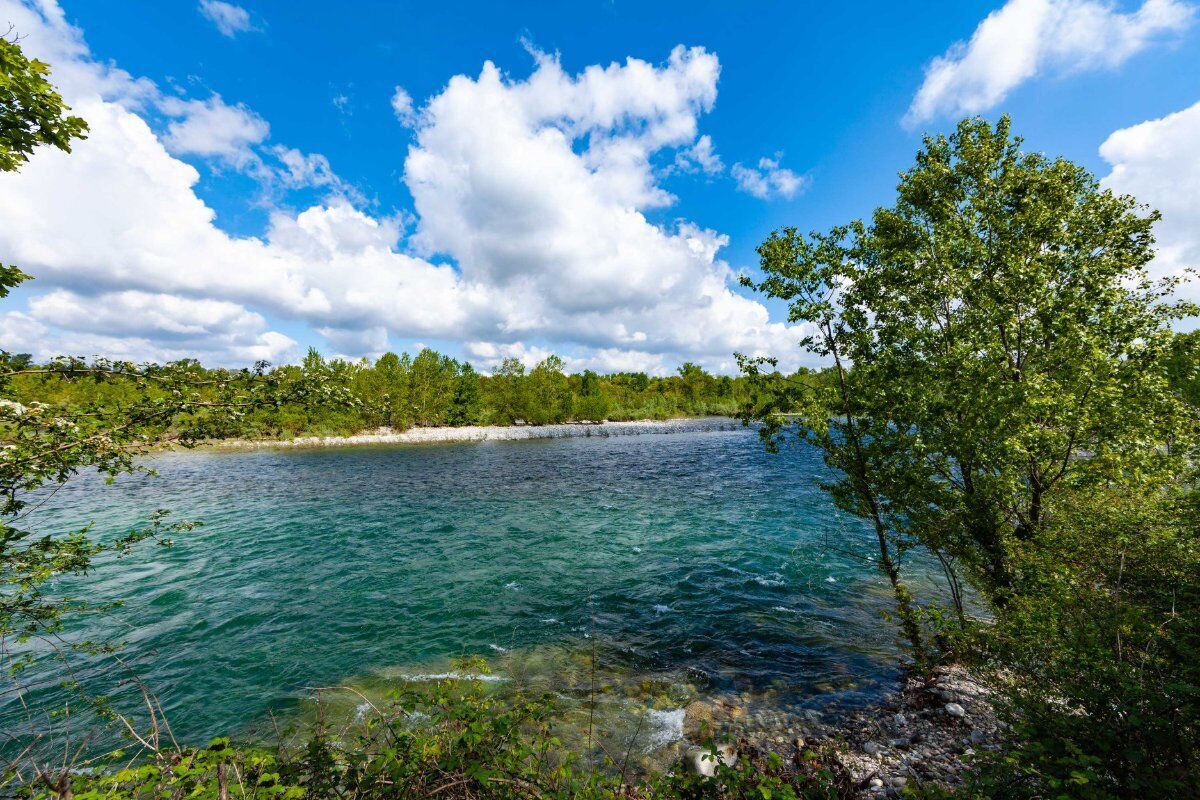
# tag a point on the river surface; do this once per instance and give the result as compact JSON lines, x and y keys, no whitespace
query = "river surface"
{"x":691,"y":565}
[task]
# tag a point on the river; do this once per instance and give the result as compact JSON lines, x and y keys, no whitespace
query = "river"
{"x":691,"y":564}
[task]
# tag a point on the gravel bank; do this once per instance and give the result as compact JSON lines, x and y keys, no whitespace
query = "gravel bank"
{"x":490,"y":433}
{"x":917,"y":735}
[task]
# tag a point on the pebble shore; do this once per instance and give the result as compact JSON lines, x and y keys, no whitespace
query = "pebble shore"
{"x":917,"y":735}
{"x":489,"y":433}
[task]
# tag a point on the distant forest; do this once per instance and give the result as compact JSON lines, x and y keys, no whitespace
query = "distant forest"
{"x":434,"y":390}
{"x":428,"y":390}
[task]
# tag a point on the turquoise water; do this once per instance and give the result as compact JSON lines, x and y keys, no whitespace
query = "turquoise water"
{"x":694,"y":557}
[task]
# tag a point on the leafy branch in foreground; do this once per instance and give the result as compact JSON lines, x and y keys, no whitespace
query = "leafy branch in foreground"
{"x":32,"y":112}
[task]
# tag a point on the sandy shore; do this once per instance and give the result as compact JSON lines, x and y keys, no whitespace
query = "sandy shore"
{"x":490,"y":433}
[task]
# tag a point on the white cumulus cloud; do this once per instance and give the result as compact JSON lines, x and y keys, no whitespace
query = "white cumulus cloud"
{"x":530,"y":199}
{"x":1158,"y":162}
{"x":1026,"y":38}
{"x":701,"y":156}
{"x":142,"y":326}
{"x":212,"y":128}
{"x":402,"y":106}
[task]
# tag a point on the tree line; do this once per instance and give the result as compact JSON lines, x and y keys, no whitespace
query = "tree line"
{"x":426,"y":390}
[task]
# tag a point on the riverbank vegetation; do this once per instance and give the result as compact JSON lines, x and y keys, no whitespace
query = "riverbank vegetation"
{"x":402,"y":392}
{"x":1006,"y":392}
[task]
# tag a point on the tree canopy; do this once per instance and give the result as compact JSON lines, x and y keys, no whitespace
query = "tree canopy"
{"x":1000,"y":338}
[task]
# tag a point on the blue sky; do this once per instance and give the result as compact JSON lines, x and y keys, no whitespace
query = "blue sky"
{"x":590,"y":223}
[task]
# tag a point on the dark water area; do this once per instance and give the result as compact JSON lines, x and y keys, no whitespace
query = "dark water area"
{"x":693,"y":557}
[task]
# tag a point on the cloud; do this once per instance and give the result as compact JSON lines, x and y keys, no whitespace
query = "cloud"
{"x":229,"y":18}
{"x":212,"y":128}
{"x":402,"y":105}
{"x":1156,"y":162}
{"x":304,"y":169}
{"x":538,"y":190}
{"x":530,"y":198}
{"x":354,"y":343}
{"x":235,"y":136}
{"x":701,"y":156}
{"x":1026,"y":38}
{"x":142,"y":326}
{"x":488,"y":355}
{"x":769,"y":180}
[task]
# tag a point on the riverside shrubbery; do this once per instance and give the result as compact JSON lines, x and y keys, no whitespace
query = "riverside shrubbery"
{"x":1098,"y":653}
{"x":449,"y":740}
{"x":428,"y":390}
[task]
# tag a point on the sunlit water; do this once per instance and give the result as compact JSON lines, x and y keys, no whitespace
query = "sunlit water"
{"x":694,"y":564}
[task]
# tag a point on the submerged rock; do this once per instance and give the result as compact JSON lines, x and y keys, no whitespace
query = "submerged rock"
{"x":928,"y":730}
{"x":704,"y":760}
{"x":699,"y":720}
{"x":700,"y":761}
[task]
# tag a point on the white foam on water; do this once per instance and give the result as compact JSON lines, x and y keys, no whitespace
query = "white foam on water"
{"x":452,"y":676}
{"x":512,"y":586}
{"x":498,"y":648}
{"x":665,"y":727}
{"x":831,"y":579}
{"x":661,"y":609}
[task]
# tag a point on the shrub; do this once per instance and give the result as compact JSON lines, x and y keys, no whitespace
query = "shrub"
{"x":1100,"y":651}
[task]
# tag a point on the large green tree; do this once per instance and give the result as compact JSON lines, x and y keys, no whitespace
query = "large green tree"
{"x":507,"y":393}
{"x":548,"y":392}
{"x":996,"y":340}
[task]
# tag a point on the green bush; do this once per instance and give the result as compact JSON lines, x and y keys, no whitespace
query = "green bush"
{"x":1098,"y":653}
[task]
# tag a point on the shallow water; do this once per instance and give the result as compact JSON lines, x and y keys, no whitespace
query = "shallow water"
{"x":693,"y":558}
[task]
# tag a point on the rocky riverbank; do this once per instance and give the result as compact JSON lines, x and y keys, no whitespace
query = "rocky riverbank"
{"x":917,"y":735}
{"x":488,"y":433}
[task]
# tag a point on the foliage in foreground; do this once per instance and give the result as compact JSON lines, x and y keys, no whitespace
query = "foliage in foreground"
{"x":450,"y":740}
{"x":1099,"y":652}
